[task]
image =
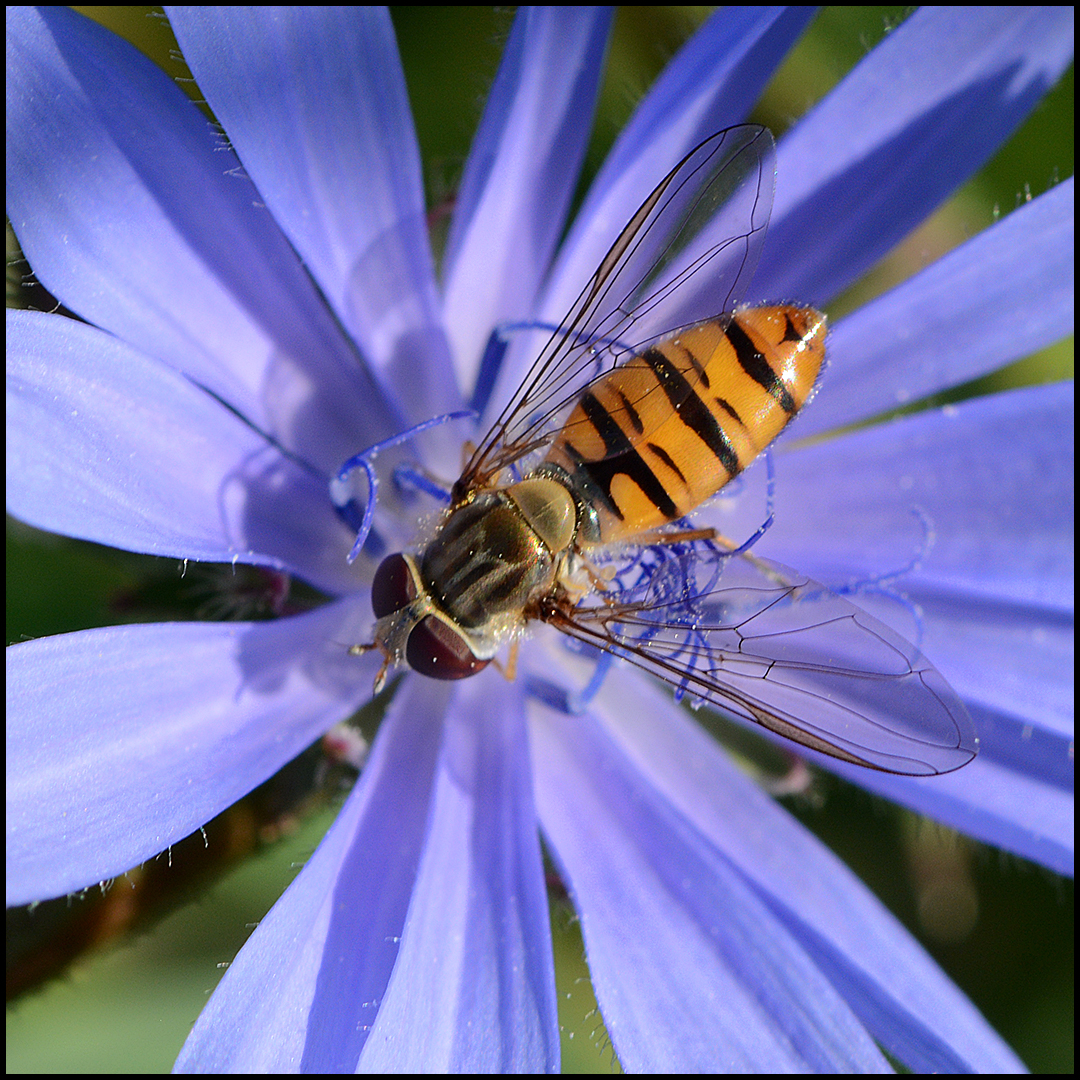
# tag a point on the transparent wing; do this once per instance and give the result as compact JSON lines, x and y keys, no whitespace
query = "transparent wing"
{"x":756,"y":640}
{"x":686,"y":255}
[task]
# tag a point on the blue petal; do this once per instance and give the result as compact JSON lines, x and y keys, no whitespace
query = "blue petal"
{"x":416,"y":938}
{"x":521,"y":174}
{"x":315,"y":105}
{"x":920,"y":114}
{"x":114,"y":447}
{"x":743,"y":943}
{"x":145,"y":226}
{"x":131,"y":737}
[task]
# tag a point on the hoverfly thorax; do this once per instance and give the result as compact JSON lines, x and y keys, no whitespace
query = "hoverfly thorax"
{"x":447,"y":611}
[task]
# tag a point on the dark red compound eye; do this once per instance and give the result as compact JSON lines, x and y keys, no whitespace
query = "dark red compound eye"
{"x":392,"y":587}
{"x":435,"y":650}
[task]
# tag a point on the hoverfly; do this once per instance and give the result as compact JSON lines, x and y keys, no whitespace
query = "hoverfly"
{"x":653,"y":393}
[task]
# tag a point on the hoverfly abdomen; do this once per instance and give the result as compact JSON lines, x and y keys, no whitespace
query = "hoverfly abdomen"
{"x":652,"y":440}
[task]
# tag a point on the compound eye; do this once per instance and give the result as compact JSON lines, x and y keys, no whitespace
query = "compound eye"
{"x":439,"y":652}
{"x":392,"y":587}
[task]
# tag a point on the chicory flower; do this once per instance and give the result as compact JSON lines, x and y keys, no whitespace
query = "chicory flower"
{"x":257,"y":311}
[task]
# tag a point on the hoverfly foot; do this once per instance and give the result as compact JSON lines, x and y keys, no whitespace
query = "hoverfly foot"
{"x":380,"y":676}
{"x":509,"y":669}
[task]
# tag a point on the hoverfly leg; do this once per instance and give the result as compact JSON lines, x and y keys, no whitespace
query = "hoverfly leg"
{"x":384,"y":670}
{"x":509,"y":669}
{"x":580,"y":577}
{"x":683,"y":536}
{"x":732,"y":548}
{"x":599,"y":579}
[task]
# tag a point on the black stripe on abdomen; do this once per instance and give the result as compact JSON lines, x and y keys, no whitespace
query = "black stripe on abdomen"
{"x":757,"y":367}
{"x":691,"y":410}
{"x":620,"y":459}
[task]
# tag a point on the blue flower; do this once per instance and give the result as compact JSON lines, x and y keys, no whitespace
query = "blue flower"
{"x":257,"y":311}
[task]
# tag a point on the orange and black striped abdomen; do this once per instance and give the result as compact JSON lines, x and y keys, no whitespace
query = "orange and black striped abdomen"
{"x":665,"y":431}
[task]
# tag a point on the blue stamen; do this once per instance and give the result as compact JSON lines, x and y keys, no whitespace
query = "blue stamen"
{"x":341,"y":494}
